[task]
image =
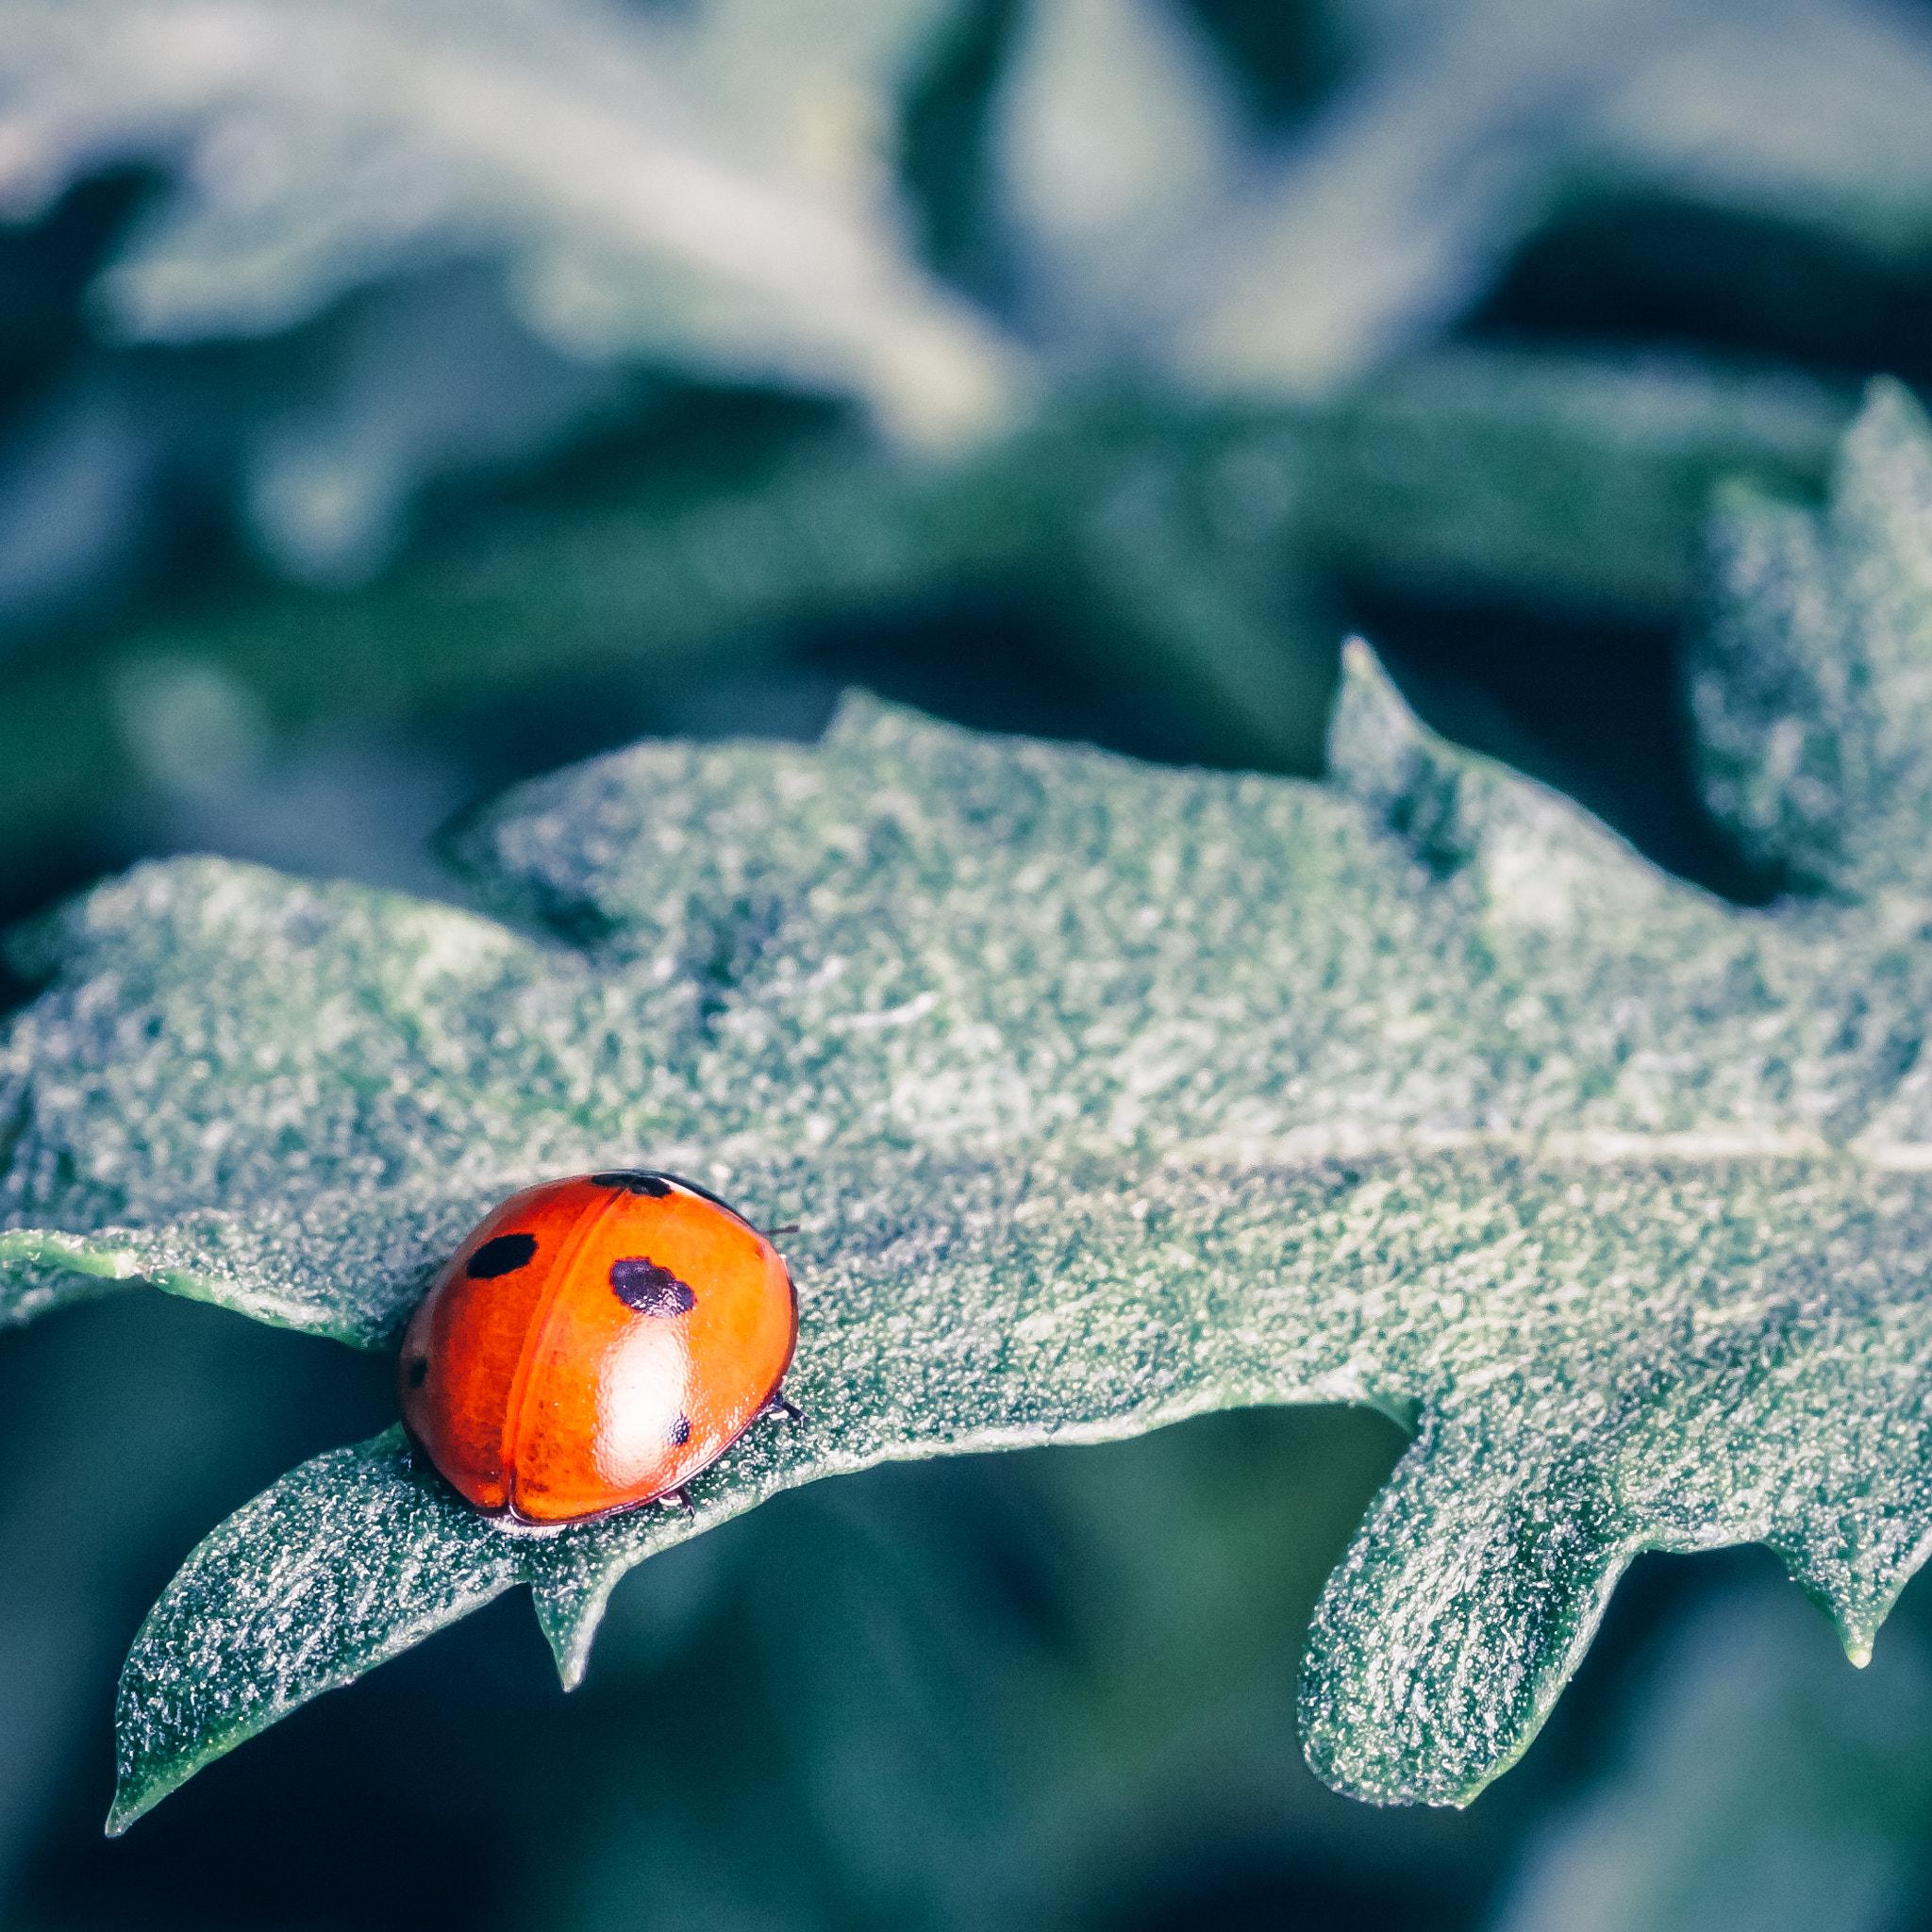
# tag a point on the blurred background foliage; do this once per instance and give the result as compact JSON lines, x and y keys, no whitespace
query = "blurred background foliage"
{"x":398,"y":402}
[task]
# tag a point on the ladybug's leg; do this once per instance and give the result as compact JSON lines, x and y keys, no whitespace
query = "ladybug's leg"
{"x":778,"y":1403}
{"x":679,"y":1499}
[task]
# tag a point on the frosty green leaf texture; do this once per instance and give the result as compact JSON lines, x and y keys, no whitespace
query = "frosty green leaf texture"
{"x":407,"y":1559}
{"x":1105,"y":1095}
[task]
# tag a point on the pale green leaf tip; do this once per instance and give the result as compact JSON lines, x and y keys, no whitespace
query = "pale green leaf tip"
{"x":135,"y":1798}
{"x":1858,"y":1628}
{"x":570,"y":1628}
{"x":1373,"y":734}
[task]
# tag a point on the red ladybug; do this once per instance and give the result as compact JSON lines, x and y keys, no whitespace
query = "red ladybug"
{"x":594,"y":1344}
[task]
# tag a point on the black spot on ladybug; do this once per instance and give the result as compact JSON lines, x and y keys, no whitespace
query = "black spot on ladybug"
{"x":641,"y":1181}
{"x":705,"y":1193}
{"x":503,"y":1256}
{"x":641,"y":1284}
{"x":678,"y":1434}
{"x":636,"y":1180}
{"x":419,"y":1371}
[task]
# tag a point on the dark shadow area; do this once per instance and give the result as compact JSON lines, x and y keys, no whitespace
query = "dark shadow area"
{"x":46,"y":267}
{"x":1651,"y":270}
{"x":36,"y":881}
{"x":1244,"y":1893}
{"x":680,"y":442}
{"x":1000,"y":662}
{"x":1592,"y":709}
{"x":1284,"y":54}
{"x":945,"y":137}
{"x":260,"y":1838}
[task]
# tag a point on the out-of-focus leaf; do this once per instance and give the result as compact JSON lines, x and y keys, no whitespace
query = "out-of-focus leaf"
{"x":1190,"y":552}
{"x":1464,"y":126}
{"x":420,"y":380}
{"x":1570,"y":483}
{"x":649,"y":190}
{"x":1115,"y":138}
{"x":1815,"y":618}
{"x":1758,"y":1791}
{"x":1106,"y":1096}
{"x":526,"y":198}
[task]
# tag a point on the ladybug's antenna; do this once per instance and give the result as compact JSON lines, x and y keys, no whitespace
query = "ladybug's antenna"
{"x":789,"y":1228}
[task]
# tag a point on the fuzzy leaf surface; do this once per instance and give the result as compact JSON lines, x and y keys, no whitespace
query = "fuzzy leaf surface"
{"x":1104,"y":1094}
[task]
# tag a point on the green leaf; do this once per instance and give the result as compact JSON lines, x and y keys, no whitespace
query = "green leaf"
{"x":709,"y":190}
{"x":1174,"y":541}
{"x":654,"y":186}
{"x":1813,"y":689}
{"x":344,"y":1562}
{"x":1447,"y":145}
{"x":1106,"y":1096}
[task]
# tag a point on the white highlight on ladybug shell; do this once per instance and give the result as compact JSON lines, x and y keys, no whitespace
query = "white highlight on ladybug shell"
{"x":642,"y":1395}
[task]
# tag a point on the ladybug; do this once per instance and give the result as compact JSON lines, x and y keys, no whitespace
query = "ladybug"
{"x":594,"y":1344}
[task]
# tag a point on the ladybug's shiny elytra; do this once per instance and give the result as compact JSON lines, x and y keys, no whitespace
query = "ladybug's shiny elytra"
{"x":594,"y":1344}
